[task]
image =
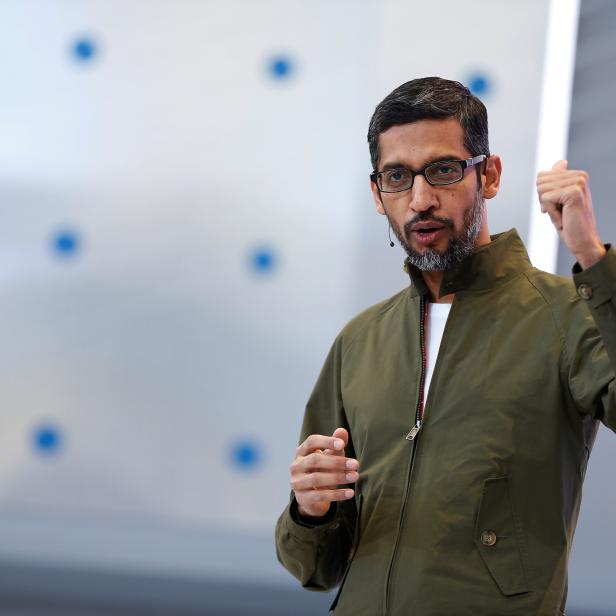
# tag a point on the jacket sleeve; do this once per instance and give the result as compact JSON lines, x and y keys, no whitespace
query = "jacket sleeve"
{"x":591,"y":340}
{"x":318,"y":555}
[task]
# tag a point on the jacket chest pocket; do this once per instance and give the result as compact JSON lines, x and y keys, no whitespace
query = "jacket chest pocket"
{"x":499,"y":538}
{"x":332,"y":607}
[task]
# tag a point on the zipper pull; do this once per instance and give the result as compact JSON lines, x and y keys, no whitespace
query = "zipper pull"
{"x":414,"y":431}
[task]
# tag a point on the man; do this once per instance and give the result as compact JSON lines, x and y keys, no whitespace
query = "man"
{"x":445,"y":443}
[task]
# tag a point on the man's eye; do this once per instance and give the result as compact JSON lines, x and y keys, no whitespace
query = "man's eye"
{"x":445,"y":170}
{"x":396,"y":176}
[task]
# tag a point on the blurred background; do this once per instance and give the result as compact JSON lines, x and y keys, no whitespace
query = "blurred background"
{"x":185,"y":226}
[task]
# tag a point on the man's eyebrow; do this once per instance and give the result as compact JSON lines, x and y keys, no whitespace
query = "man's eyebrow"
{"x":399,"y":165}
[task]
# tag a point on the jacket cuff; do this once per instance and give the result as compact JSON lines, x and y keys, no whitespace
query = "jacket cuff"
{"x":597,"y":284}
{"x":302,"y":529}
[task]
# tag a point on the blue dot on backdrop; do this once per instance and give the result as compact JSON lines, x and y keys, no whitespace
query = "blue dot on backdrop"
{"x":263,"y":260}
{"x":47,"y":439}
{"x":84,"y":49}
{"x":479,"y":84}
{"x":281,"y":67}
{"x":66,"y":243}
{"x":246,"y":455}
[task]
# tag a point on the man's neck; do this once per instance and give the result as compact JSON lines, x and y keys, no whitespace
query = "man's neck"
{"x":433,"y":281}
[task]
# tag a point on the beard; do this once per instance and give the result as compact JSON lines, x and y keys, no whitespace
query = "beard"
{"x":460,"y":246}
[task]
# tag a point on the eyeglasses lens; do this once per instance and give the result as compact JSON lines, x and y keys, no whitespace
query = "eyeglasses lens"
{"x":395,"y":180}
{"x":444,"y":172}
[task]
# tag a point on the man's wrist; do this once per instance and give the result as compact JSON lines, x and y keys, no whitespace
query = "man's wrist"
{"x":311,"y":521}
{"x":590,"y":257}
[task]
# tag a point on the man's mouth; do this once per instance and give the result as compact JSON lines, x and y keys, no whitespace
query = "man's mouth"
{"x":427,"y":226}
{"x":424,"y":230}
{"x":427,"y":232}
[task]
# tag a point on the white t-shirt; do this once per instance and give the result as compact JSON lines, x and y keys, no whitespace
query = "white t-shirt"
{"x":435,"y":326}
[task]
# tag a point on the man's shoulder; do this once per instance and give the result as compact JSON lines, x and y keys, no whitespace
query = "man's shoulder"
{"x":369,"y":317}
{"x":554,"y":289}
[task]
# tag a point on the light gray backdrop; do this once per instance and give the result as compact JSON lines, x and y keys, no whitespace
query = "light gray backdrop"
{"x":186,"y":225}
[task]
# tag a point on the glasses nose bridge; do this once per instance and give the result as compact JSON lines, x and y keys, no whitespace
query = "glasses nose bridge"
{"x":422,"y":173}
{"x":421,"y":193}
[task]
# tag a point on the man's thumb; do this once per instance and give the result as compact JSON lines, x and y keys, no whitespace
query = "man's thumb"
{"x":560,"y":165}
{"x":343,"y":434}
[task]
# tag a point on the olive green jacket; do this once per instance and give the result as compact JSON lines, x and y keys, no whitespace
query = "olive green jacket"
{"x":476,"y":514}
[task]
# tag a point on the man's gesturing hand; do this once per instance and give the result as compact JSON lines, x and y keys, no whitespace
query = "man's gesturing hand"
{"x":565,"y":195}
{"x":318,"y":469}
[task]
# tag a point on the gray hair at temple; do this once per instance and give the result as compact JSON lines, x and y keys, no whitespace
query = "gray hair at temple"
{"x":431,"y":98}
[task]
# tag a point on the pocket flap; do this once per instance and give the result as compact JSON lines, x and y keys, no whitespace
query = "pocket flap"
{"x":499,"y":539}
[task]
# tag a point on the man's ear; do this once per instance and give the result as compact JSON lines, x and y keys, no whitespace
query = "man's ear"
{"x":491,"y":177}
{"x":376,"y":195}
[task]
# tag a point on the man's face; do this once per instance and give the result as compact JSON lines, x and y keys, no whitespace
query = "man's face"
{"x":438,"y":226}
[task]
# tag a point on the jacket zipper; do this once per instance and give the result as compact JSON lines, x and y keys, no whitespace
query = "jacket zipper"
{"x":419,"y":409}
{"x":411,"y":436}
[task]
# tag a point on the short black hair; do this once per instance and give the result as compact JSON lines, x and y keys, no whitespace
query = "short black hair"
{"x":431,"y":98}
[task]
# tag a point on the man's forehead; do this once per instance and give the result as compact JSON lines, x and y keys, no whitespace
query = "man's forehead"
{"x":422,"y":141}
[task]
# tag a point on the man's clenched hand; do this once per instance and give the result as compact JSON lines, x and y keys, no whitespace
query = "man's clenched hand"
{"x":318,"y":469}
{"x":565,"y":195}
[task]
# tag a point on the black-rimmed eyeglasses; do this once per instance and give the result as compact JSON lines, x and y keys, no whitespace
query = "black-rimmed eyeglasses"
{"x":439,"y":173}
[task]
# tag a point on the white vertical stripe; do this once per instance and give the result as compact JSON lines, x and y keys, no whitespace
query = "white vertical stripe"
{"x":558,"y":69}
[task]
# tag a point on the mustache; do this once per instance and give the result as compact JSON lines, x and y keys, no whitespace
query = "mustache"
{"x":425,"y":217}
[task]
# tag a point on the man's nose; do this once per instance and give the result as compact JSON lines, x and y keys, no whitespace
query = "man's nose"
{"x":422,"y":195}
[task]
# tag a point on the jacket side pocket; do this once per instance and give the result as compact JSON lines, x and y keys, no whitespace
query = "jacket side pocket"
{"x":352,"y":553}
{"x":498,"y":537}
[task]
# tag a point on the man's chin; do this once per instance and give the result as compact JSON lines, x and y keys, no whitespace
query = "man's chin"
{"x":430,"y":259}
{"x":423,"y":253}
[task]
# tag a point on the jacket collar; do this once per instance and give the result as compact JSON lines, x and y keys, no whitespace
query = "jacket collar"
{"x":490,"y":265}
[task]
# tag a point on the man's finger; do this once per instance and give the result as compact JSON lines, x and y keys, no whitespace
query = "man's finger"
{"x":554,"y":182}
{"x":319,"y":496}
{"x":312,"y":481}
{"x":556,"y":219}
{"x":560,"y":165}
{"x":342,"y":434}
{"x":561,"y":173}
{"x":318,"y":461}
{"x":318,"y":441}
{"x":555,"y":214}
